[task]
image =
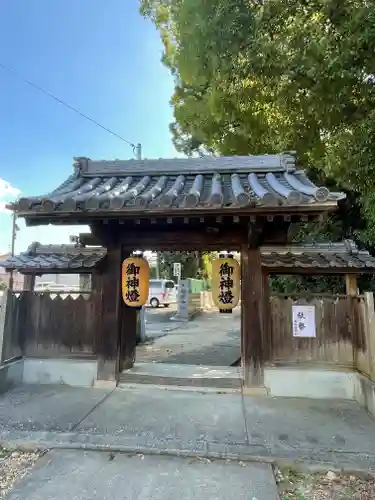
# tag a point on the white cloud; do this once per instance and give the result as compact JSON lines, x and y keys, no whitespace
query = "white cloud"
{"x":7,"y":193}
{"x":27,"y":235}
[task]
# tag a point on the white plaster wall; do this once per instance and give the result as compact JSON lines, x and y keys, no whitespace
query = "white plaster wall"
{"x":314,"y":383}
{"x":78,"y":373}
{"x":365,"y":393}
{"x":11,"y":375}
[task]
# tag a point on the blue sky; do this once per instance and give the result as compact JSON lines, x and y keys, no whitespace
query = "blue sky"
{"x":101,"y":57}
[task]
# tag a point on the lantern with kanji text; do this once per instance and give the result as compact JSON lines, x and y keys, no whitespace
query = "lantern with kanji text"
{"x":226,"y":280}
{"x":135,"y":281}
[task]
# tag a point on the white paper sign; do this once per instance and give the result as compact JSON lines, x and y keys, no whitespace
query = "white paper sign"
{"x":177,"y":269}
{"x":303,"y":321}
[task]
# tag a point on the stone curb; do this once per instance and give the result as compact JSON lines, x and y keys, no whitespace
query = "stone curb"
{"x":344,"y":461}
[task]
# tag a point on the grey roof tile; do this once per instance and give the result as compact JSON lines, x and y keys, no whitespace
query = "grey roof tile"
{"x":343,"y":255}
{"x":324,"y":256}
{"x":57,"y":257}
{"x":177,"y":184}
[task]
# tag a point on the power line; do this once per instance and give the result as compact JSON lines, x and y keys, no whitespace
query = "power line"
{"x":41,"y":89}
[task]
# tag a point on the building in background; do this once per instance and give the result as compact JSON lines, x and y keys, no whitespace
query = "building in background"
{"x":4,"y":276}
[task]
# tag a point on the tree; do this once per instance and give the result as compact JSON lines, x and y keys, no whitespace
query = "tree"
{"x":254,"y":77}
{"x":193,"y":264}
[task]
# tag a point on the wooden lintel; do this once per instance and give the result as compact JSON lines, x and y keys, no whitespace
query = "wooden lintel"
{"x":190,"y":239}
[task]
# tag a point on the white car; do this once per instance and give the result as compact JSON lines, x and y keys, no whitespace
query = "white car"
{"x":162,"y":293}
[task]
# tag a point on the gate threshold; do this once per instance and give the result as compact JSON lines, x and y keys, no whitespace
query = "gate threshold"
{"x":183,"y":377}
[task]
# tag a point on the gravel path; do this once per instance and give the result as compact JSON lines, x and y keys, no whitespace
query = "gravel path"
{"x":14,"y":465}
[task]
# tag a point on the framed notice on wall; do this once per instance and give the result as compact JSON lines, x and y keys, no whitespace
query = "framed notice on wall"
{"x":303,"y":321}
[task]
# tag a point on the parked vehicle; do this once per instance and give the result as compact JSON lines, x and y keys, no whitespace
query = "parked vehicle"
{"x":162,"y":293}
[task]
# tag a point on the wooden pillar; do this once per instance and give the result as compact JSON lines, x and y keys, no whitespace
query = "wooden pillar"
{"x":28,"y":282}
{"x":267,"y":313}
{"x":351,"y":285}
{"x":253,"y":343}
{"x":109,"y":320}
{"x":128,"y":333}
{"x":370,"y":332}
{"x":85,"y":282}
{"x":351,"y":292}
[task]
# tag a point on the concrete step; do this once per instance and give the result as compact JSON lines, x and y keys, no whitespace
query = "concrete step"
{"x":182,"y":376}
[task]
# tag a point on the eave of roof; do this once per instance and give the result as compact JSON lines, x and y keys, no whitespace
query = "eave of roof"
{"x":338,"y":258}
{"x":235,"y":184}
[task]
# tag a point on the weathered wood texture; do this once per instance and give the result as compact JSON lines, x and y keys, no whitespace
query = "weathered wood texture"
{"x":365,"y":359}
{"x":340,"y":331}
{"x":47,"y":325}
{"x":254,"y":344}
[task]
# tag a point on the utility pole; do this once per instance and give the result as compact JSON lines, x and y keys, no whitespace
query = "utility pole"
{"x":14,"y":232}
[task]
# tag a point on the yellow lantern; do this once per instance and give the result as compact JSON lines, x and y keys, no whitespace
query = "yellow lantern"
{"x":226,"y":280}
{"x":135,"y":281}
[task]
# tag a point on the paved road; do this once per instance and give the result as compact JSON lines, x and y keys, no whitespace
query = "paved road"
{"x":79,"y":475}
{"x":156,"y":420}
{"x":211,"y":339}
{"x":160,"y":314}
{"x":158,"y":323}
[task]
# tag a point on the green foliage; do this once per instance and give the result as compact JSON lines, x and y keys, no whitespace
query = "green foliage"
{"x":267,"y":76}
{"x":2,"y":285}
{"x":193,"y":264}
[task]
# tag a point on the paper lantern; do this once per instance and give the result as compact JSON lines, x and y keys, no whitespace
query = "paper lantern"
{"x":226,"y":281}
{"x":135,"y":281}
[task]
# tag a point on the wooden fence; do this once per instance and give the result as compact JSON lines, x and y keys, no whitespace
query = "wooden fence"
{"x":344,"y":335}
{"x":46,"y":325}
